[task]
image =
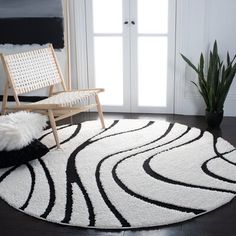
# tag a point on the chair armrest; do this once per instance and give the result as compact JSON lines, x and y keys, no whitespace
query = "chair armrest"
{"x":99,"y":90}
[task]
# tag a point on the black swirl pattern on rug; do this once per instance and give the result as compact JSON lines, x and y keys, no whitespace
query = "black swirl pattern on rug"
{"x":158,"y":176}
{"x":8,"y":172}
{"x":218,"y":155}
{"x":32,"y":174}
{"x":152,"y":201}
{"x":111,"y":206}
{"x":73,"y":177}
{"x":52,"y":194}
{"x":182,"y":138}
{"x":71,"y":137}
{"x":50,"y":132}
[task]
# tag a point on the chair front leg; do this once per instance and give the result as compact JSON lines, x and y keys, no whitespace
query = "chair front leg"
{"x":54,"y":127}
{"x":100,"y":113}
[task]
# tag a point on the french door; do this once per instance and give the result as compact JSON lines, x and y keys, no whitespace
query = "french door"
{"x":130,"y":46}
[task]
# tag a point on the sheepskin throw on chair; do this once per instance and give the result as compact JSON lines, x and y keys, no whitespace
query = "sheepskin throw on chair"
{"x":31,"y":22}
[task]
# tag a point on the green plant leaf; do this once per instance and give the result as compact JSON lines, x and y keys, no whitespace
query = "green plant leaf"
{"x":204,"y":95}
{"x":228,"y":58}
{"x":215,"y":48}
{"x":233,"y":59}
{"x":201,"y":62}
{"x":226,"y":86}
{"x":189,"y":63}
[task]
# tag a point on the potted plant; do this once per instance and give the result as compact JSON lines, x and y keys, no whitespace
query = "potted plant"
{"x":214,"y":83}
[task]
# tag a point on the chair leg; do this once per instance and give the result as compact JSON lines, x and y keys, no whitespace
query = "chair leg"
{"x":54,"y":127}
{"x":100,"y":113}
{"x":4,"y":100}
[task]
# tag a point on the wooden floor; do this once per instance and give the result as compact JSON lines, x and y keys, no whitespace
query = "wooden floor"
{"x":221,"y":222}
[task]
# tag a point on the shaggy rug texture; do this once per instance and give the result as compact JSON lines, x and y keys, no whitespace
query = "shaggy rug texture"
{"x":133,"y":174}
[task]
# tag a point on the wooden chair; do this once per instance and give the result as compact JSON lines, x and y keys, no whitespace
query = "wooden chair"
{"x":37,"y":69}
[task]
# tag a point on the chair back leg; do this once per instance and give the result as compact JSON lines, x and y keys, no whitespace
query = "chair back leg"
{"x":4,"y":100}
{"x":54,"y":127}
{"x":100,"y":113}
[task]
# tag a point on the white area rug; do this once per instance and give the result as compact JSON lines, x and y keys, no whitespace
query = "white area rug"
{"x":135,"y":173}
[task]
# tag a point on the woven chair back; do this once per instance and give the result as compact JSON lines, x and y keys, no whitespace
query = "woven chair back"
{"x":33,"y":70}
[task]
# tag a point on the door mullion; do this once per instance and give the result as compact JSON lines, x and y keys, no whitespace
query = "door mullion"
{"x":133,"y":56}
{"x":126,"y":55}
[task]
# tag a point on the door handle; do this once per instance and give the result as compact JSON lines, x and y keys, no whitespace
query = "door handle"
{"x":127,"y":22}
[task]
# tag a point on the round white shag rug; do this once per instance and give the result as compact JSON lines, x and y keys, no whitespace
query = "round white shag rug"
{"x":133,"y":174}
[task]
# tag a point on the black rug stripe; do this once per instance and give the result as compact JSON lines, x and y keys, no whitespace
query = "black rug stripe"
{"x":52,"y":194}
{"x":155,"y":202}
{"x":213,"y":175}
{"x":210,"y":173}
{"x":119,"y":133}
{"x":111,"y":206}
{"x":220,"y":155}
{"x":69,"y":201}
{"x":158,"y":176}
{"x":32,"y":174}
{"x":71,"y":137}
{"x":152,"y":201}
{"x":8,"y":172}
{"x":226,"y":160}
{"x":73,"y":177}
{"x":115,"y":122}
{"x":63,"y":127}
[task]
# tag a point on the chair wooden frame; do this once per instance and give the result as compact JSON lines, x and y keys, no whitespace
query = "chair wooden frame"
{"x":50,"y":109}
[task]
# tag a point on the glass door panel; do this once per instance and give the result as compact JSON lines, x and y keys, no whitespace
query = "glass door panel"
{"x":107,"y":16}
{"x":108,"y":57}
{"x":152,"y":16}
{"x":152,"y":71}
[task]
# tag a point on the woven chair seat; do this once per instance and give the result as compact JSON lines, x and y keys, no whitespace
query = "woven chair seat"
{"x":68,"y":99}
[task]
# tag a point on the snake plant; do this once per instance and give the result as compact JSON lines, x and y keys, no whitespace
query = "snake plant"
{"x":214,"y":85}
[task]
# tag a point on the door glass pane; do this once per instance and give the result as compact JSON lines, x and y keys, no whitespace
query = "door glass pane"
{"x":107,"y":16}
{"x":153,"y":16}
{"x":108,"y":52}
{"x":152,"y":71}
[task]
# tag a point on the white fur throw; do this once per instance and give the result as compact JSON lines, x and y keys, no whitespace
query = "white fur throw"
{"x":17,"y":130}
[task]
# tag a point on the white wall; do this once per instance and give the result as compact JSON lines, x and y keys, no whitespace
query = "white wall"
{"x":199,"y":23}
